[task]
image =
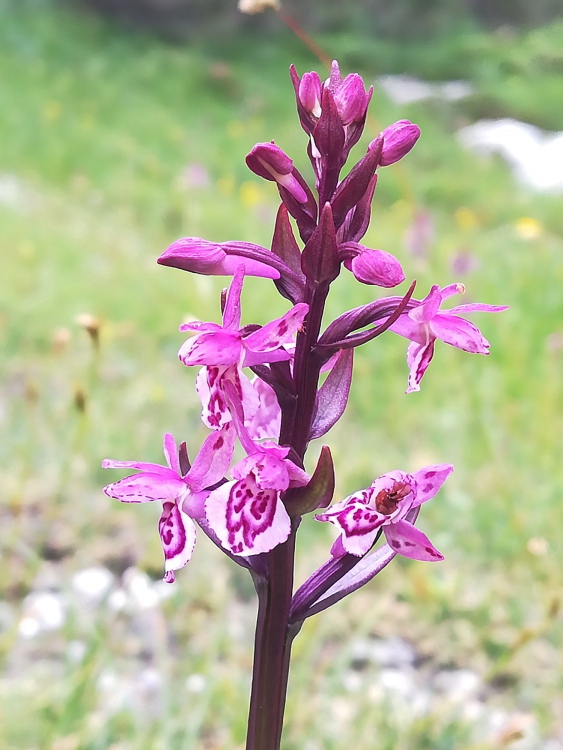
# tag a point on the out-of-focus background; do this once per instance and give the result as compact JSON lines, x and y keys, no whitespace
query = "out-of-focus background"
{"x":124,"y":125}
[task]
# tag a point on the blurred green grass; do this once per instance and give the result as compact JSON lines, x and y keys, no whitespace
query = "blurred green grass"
{"x":102,"y":133}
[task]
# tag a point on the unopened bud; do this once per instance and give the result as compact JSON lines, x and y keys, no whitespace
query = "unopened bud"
{"x":398,"y":139}
{"x":268,"y":161}
{"x":351,"y":99}
{"x":310,"y":92}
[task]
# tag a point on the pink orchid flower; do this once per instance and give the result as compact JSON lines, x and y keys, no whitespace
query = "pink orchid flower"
{"x":225,"y":349}
{"x":248,"y":514}
{"x":219,"y":345}
{"x":425,"y":323}
{"x":384,"y":506}
{"x":262,"y":413}
{"x":182,"y":494}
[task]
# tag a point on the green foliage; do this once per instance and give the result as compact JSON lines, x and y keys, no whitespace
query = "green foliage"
{"x":98,"y":131}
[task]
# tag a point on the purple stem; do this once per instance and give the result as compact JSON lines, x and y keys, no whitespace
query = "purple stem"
{"x":274,"y":632}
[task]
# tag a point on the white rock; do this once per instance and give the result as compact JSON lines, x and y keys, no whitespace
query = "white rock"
{"x":457,"y":685}
{"x":12,"y":191}
{"x":92,"y":584}
{"x":535,"y":156}
{"x":42,"y":611}
{"x":386,"y":652}
{"x":403,"y":89}
{"x":195,"y":683}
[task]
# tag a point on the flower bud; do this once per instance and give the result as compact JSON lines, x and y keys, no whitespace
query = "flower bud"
{"x":218,"y":259}
{"x":268,"y":161}
{"x":351,"y":99}
{"x":310,"y":93}
{"x":398,"y":139}
{"x":375,"y":267}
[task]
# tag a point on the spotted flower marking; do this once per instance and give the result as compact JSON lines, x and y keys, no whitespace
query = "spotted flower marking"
{"x":385,"y":506}
{"x":425,"y":323}
{"x":182,"y":494}
{"x":248,"y":514}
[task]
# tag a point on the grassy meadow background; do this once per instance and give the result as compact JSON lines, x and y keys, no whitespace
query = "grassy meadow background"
{"x":115,"y":144}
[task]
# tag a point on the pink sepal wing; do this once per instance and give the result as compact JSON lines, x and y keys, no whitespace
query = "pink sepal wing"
{"x":337,"y":549}
{"x":251,"y":267}
{"x":214,"y":458}
{"x":262,"y":358}
{"x":217,"y":349}
{"x":428,"y":481}
{"x":109,"y":463}
{"x":170,"y":450}
{"x":194,"y":505}
{"x":146,"y":487}
{"x":200,"y":326}
{"x":448,"y":291}
{"x":459,"y":333}
{"x":277,"y":332}
{"x":247,"y":520}
{"x":409,"y":541}
{"x":177,"y":534}
{"x":476,"y":307}
{"x":232,"y":311}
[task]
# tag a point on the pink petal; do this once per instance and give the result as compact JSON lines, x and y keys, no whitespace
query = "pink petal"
{"x":214,"y":349}
{"x":145,"y":487}
{"x":407,"y":327}
{"x":199,"y":326}
{"x":278,"y":332}
{"x":429,"y":480}
{"x":177,"y":534}
{"x":409,"y":541}
{"x":214,"y":458}
{"x":265,"y":423}
{"x":428,"y":308}
{"x":246,"y":519}
{"x":459,"y":333}
{"x":171,"y":453}
{"x":232,"y":312}
{"x":476,"y":307}
{"x":109,"y":463}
